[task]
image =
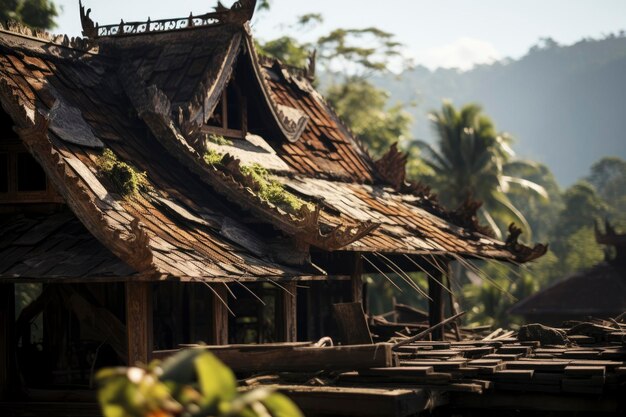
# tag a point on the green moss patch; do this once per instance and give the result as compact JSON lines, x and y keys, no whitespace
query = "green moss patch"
{"x":271,"y":190}
{"x":127,"y":179}
{"x":220,"y":140}
{"x":213,"y":157}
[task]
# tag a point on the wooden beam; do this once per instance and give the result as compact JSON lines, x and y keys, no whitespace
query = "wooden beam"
{"x":221,"y":131}
{"x":219,"y":328}
{"x":435,"y":304}
{"x":7,"y":340}
{"x":356,"y":280}
{"x":225,"y":108}
{"x":139,"y":322}
{"x":348,"y":401}
{"x":293,"y":357}
{"x":286,"y":313}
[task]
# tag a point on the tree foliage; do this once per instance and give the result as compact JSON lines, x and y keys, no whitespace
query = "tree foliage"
{"x":569,"y":228}
{"x":472,"y":160}
{"x":364,"y":108}
{"x":34,"y":13}
{"x":347,"y":57}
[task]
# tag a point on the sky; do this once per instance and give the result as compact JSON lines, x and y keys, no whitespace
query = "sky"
{"x":436,"y":33}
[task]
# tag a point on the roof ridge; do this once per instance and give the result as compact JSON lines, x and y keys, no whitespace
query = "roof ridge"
{"x":238,"y":14}
{"x":18,"y":29}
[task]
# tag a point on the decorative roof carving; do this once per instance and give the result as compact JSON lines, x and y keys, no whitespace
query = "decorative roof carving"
{"x":522,"y":252}
{"x":153,"y":107}
{"x":392,"y":166}
{"x":240,"y":12}
{"x":291,"y":128}
{"x":611,"y":238}
{"x":341,"y":236}
{"x":310,"y":70}
{"x":466,"y":216}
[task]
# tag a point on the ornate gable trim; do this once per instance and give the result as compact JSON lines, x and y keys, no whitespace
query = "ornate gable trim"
{"x":130,"y":245}
{"x":240,"y":12}
{"x":290,"y":123}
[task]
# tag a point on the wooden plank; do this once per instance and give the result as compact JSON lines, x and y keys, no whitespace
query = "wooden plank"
{"x":584,"y":370}
{"x":438,"y":366}
{"x":546,"y":366}
{"x":219,"y":327}
{"x":139,"y":322}
{"x":514,"y":375}
{"x":286,"y":313}
{"x":352,"y":324}
{"x":398,"y":371}
{"x":296,"y":358}
{"x":542,"y":402}
{"x":363,"y":402}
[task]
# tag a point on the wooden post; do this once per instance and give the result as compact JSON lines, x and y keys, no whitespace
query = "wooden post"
{"x":453,"y":309}
{"x":286,"y":313}
{"x":219,"y":328}
{"x":435,"y":304}
{"x":7,"y":339}
{"x":356,"y":279}
{"x":139,"y":322}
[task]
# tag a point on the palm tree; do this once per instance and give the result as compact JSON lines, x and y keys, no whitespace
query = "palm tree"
{"x":470,"y":161}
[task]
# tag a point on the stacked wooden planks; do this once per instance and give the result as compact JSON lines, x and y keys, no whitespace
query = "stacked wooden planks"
{"x":593,"y":363}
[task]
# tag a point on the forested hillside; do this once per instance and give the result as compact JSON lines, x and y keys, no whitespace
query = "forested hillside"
{"x":565,"y":105}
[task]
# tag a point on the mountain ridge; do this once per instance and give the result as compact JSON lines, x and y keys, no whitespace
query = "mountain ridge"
{"x":565,"y":105}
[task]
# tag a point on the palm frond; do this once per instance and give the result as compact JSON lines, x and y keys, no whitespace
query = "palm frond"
{"x":526,"y":185}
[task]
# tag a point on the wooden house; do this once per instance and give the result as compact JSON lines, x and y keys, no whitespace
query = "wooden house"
{"x":599,"y":291}
{"x":157,"y":176}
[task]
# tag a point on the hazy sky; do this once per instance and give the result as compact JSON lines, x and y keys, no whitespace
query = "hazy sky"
{"x":448,"y":33}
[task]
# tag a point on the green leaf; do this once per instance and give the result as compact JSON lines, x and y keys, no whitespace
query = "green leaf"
{"x":279,"y":405}
{"x":180,"y":368}
{"x":217,"y":381}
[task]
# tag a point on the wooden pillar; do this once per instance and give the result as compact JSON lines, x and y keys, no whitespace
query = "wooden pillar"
{"x":139,"y":322}
{"x":286,"y":313}
{"x":219,"y":328}
{"x":356,"y":279}
{"x":435,"y":304}
{"x":7,"y":339}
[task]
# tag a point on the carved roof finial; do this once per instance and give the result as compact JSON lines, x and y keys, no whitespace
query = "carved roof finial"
{"x":310,"y":71}
{"x":521,"y":252}
{"x":90,"y":29}
{"x":392,"y":167}
{"x":239,"y":13}
{"x":611,"y":238}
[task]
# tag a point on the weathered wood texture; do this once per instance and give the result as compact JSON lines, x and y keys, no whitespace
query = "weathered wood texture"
{"x":352,"y":324}
{"x":219,"y":328}
{"x":362,"y":402}
{"x":298,"y":358}
{"x":139,"y":322}
{"x":435,"y":304}
{"x":356,"y":279}
{"x":286,"y":313}
{"x":7,"y":339}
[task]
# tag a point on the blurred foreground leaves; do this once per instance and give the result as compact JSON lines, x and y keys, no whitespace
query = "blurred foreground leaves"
{"x":193,"y":383}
